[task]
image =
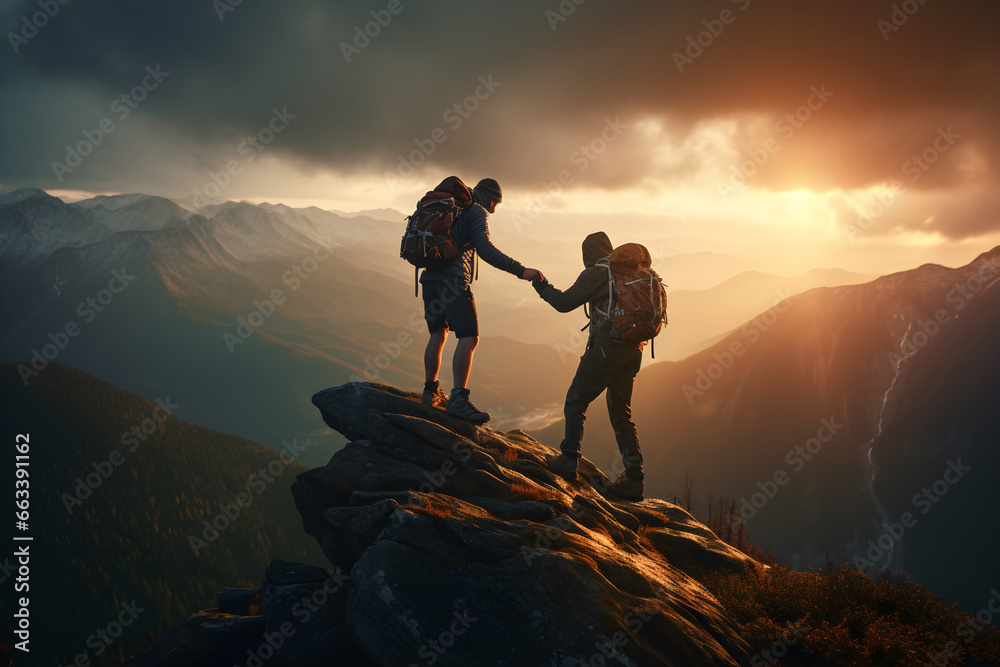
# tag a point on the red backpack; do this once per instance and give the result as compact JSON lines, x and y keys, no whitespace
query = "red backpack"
{"x":427,"y":242}
{"x":637,"y":304}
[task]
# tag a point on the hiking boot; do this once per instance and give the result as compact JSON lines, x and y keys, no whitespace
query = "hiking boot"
{"x":627,"y":488}
{"x":565,"y":466}
{"x":460,"y":406}
{"x":435,"y":399}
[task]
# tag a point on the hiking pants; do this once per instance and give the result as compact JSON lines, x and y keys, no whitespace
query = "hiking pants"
{"x":612,"y":368}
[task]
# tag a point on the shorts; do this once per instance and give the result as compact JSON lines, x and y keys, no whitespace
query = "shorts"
{"x":447,"y":304}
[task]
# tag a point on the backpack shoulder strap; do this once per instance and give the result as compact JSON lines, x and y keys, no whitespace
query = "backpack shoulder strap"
{"x":606,"y":263}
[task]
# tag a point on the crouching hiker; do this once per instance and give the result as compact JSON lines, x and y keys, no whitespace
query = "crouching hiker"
{"x":614,"y":348}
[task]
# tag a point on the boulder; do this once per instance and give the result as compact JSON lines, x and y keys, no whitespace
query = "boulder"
{"x":452,"y":544}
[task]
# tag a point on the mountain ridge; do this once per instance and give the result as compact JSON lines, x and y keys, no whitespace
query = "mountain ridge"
{"x":120,"y":488}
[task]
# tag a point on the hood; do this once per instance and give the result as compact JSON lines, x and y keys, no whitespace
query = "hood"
{"x":596,"y":246}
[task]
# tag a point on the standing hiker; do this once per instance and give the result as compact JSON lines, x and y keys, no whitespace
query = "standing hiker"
{"x":608,"y":364}
{"x":449,"y":304}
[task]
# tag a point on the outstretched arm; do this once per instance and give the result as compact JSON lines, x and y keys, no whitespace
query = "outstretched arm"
{"x":480,"y":237}
{"x":590,"y":285}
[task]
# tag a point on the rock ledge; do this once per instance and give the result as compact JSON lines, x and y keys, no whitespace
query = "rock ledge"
{"x":452,"y":544}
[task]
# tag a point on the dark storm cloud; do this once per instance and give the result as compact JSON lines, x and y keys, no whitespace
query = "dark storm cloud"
{"x":966,"y":212}
{"x":556,"y":84}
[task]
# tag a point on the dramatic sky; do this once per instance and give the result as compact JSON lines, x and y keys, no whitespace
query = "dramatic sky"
{"x":753,"y":127}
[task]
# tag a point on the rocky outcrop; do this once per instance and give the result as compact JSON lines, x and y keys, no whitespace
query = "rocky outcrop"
{"x":452,"y":544}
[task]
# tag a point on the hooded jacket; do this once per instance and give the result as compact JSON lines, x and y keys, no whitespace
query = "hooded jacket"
{"x":591,"y":287}
{"x":472,"y":234}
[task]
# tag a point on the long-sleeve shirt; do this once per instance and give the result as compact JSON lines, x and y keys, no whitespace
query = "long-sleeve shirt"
{"x":472,"y":234}
{"x":591,"y":287}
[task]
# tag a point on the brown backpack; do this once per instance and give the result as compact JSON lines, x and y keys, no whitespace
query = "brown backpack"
{"x":637,"y":304}
{"x":427,"y":241}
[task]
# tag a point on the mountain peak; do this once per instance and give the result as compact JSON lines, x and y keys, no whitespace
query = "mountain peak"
{"x":433,"y":516}
{"x":461,"y":544}
{"x":20,"y":194}
{"x":113,"y":202}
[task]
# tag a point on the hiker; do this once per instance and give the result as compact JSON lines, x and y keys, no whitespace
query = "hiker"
{"x":606,"y":365}
{"x":450,"y":306}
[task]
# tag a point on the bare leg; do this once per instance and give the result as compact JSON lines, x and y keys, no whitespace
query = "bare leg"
{"x":461,"y":364}
{"x":432,"y":354}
